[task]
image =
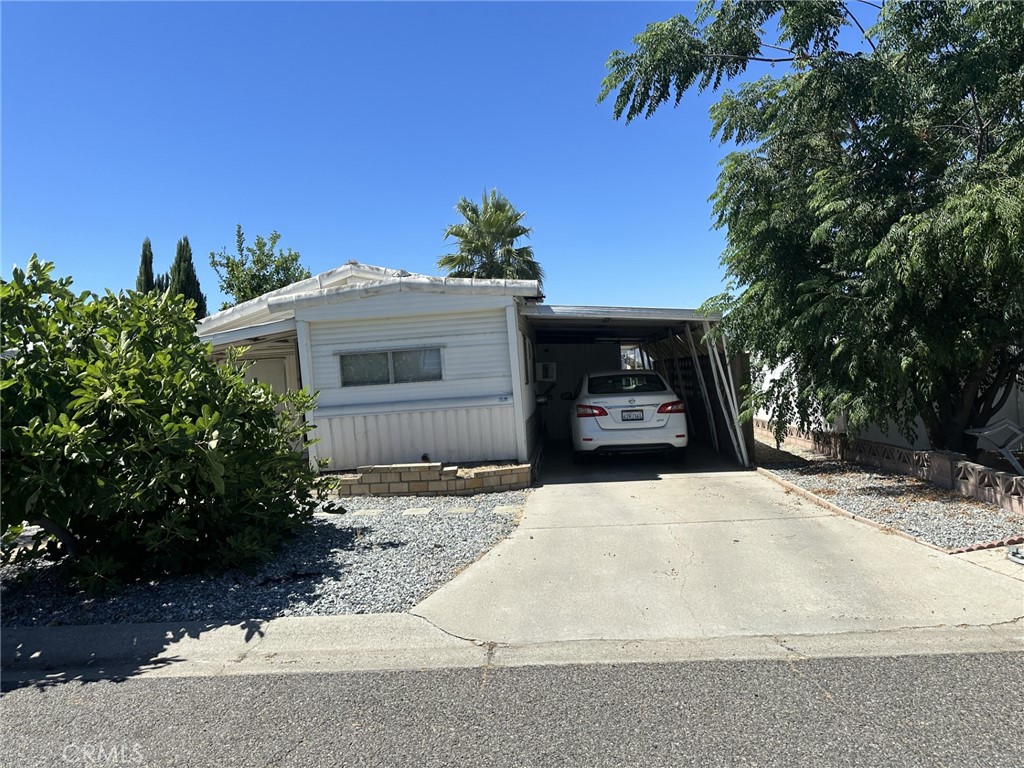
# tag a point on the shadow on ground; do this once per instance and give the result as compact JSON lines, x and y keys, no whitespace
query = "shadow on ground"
{"x":558,"y":467}
{"x":43,"y":657}
{"x":47,"y":623}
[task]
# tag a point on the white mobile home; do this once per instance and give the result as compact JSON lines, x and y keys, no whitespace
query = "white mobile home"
{"x":409,"y":366}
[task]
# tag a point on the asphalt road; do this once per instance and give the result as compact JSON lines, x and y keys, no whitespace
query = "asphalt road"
{"x":939,"y":710}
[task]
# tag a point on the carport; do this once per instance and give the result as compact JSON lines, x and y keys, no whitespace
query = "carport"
{"x":569,"y":341}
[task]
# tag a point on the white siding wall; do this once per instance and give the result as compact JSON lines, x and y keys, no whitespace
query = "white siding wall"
{"x":468,"y":416}
{"x":474,"y":433}
{"x":474,"y":353}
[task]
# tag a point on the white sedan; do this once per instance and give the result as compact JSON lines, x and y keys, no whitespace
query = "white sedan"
{"x":626,"y":411}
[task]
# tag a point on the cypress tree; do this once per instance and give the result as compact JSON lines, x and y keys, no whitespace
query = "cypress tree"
{"x":144,"y":282}
{"x":183,"y":278}
{"x":161,"y":282}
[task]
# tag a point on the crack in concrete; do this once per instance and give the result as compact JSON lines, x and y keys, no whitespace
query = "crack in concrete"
{"x":778,"y":641}
{"x":474,"y":640}
{"x":485,"y":671}
{"x":682,"y":588}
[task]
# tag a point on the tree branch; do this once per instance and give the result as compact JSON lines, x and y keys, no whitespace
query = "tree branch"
{"x":851,"y":17}
{"x":62,"y":534}
{"x":753,"y":58}
{"x":982,"y":126}
{"x":971,"y":387}
{"x":1003,"y":380}
{"x":778,"y":48}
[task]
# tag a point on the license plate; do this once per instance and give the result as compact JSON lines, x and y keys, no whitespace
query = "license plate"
{"x":636,"y":415}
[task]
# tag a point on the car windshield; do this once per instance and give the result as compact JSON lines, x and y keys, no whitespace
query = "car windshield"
{"x":621,"y":383}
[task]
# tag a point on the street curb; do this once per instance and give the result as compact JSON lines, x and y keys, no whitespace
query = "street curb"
{"x":312,"y":646}
{"x":385,"y":640}
{"x":815,"y":499}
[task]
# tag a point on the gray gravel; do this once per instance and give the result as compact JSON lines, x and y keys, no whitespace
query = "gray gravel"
{"x":940,"y":517}
{"x":372,"y":559}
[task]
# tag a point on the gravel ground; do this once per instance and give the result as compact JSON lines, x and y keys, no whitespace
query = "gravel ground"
{"x":372,"y":559}
{"x":940,"y":517}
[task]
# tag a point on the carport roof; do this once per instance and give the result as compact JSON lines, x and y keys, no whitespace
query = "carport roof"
{"x":627,"y":325}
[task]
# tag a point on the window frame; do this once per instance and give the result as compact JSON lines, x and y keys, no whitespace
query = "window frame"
{"x":390,"y":352}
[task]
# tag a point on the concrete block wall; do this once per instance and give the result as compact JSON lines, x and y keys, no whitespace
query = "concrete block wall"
{"x":431,"y":479}
{"x":946,"y":470}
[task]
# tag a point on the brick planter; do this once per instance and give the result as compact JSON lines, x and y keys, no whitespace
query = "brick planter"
{"x":431,"y":480}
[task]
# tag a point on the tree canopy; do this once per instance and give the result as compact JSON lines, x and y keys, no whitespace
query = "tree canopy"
{"x":144,"y":282}
{"x":256,"y":269}
{"x":487,"y":238}
{"x":874,"y":206}
{"x":182,"y":279}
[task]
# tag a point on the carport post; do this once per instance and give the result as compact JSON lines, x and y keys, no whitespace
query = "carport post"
{"x":679,"y":373}
{"x":703,"y":386}
{"x":723,"y":396}
{"x":732,"y":398}
{"x":304,"y":348}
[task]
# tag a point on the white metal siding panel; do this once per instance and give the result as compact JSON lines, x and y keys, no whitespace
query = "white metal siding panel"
{"x":474,"y":352}
{"x":449,"y":435}
{"x":526,"y":337}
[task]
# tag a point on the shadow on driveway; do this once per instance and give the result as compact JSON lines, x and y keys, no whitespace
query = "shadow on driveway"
{"x":557,"y":466}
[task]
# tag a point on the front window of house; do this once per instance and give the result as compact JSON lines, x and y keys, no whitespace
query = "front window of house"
{"x":400,"y":366}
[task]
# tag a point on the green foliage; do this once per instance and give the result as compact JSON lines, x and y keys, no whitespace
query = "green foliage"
{"x":144,"y":282}
{"x":183,"y":280}
{"x":487,"y":237}
{"x":134,"y":451}
{"x":875,"y":210}
{"x":256,"y":269}
{"x":161,"y":283}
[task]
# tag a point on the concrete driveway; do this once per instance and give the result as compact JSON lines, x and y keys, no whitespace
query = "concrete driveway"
{"x":644,"y":549}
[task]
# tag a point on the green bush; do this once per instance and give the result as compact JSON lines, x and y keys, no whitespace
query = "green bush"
{"x":136,"y":453}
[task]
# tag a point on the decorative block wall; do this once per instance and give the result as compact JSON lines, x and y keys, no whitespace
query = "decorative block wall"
{"x":947,"y":470}
{"x":432,"y":480}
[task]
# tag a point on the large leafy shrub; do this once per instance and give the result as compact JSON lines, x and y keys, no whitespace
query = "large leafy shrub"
{"x":135,"y":452}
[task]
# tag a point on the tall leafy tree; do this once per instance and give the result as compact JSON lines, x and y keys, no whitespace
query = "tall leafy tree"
{"x":487,"y":238}
{"x":183,"y":279}
{"x":144,"y":282}
{"x":255,"y":269}
{"x":874,"y":208}
{"x":161,"y":283}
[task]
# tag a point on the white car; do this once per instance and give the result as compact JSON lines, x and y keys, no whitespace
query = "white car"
{"x":626,"y":411}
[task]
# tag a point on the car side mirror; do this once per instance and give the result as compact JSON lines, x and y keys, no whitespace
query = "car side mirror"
{"x":567,"y":395}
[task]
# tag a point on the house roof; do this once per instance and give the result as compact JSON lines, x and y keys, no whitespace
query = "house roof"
{"x":350,"y":282}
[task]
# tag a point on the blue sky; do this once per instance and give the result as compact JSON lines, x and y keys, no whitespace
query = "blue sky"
{"x":352,"y":129}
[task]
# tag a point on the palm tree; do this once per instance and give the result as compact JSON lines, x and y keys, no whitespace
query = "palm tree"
{"x":487,"y":239}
